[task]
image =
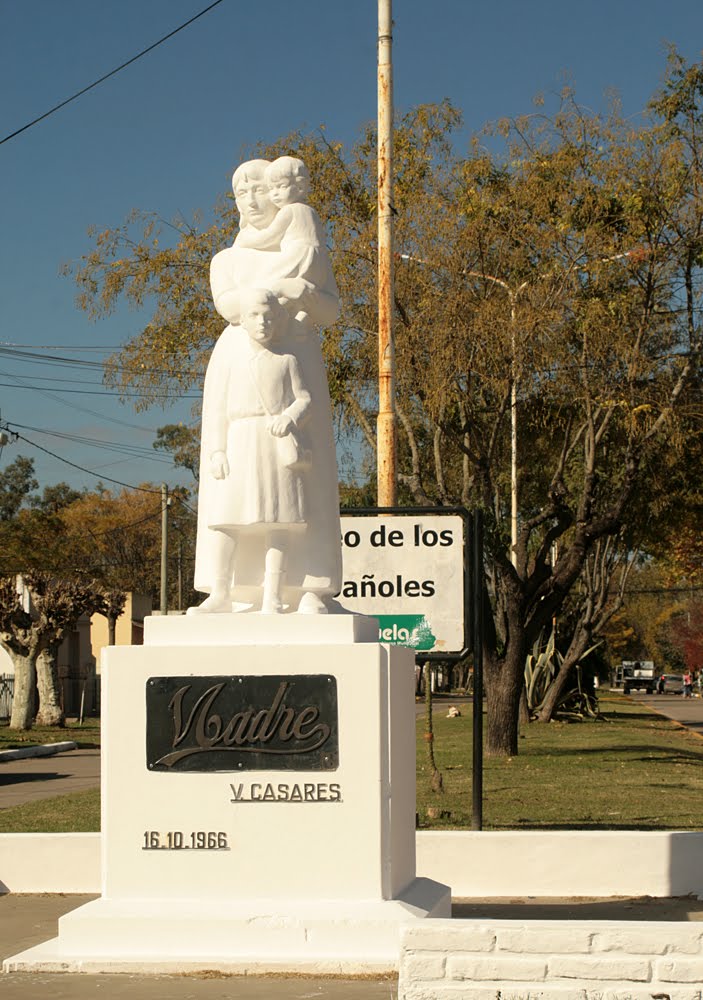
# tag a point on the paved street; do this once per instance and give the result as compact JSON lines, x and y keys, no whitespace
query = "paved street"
{"x":42,"y":777}
{"x":688,"y":711}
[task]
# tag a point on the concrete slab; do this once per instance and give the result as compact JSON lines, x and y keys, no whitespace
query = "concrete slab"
{"x":28,"y":920}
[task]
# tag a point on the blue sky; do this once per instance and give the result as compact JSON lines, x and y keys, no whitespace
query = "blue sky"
{"x":166,"y":133}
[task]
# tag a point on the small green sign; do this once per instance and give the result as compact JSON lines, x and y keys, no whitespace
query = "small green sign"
{"x":406,"y":630}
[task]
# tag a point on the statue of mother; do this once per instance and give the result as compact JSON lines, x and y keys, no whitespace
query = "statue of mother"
{"x":313,"y":574}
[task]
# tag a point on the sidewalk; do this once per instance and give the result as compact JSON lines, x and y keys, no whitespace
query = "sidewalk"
{"x":29,"y":920}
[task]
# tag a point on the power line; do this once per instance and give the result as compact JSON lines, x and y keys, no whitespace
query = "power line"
{"x":108,"y":75}
{"x":177,"y":496}
{"x":77,"y":406}
{"x":128,"y":524}
{"x":132,"y":450}
{"x":96,"y":392}
{"x":17,"y":354}
{"x":81,"y":468}
{"x":62,"y":347}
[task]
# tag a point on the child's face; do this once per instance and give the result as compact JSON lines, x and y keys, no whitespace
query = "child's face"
{"x":283,"y":191}
{"x":260,"y":323}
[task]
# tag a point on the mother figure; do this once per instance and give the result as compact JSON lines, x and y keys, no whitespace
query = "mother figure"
{"x":314,"y":565}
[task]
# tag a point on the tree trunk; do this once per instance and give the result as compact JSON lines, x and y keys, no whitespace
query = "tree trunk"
{"x":503,"y":690}
{"x":436,"y":781}
{"x":50,"y":711}
{"x":111,"y":629}
{"x":552,"y":699}
{"x":524,"y":708}
{"x":25,"y":687}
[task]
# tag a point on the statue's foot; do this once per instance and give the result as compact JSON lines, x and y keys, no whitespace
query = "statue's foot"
{"x":271,"y":606}
{"x":311,"y":604}
{"x":215,"y":604}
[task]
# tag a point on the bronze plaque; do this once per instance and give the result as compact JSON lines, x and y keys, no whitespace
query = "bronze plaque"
{"x":272,"y":723}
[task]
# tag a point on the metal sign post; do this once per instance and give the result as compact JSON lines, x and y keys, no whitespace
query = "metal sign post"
{"x":477,"y":641}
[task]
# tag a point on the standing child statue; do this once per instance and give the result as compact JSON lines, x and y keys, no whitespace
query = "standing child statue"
{"x":256,"y":453}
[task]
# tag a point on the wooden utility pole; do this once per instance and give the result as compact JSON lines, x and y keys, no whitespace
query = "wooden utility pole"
{"x":387,"y":487}
{"x":164,"y":549}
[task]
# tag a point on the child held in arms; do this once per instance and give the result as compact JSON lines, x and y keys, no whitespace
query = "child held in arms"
{"x":296,"y":231}
{"x":256,"y":454}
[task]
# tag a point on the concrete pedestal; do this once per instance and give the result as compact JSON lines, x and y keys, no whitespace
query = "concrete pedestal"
{"x":258,"y":810}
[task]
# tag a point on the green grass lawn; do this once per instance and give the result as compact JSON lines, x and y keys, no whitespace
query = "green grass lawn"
{"x":631,"y":769}
{"x":86,"y":735}
{"x":75,"y":813}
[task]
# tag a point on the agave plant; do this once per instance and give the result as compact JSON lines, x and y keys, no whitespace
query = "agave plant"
{"x":542,"y":665}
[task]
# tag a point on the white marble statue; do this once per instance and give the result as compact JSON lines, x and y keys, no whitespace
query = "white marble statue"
{"x":268,"y":513}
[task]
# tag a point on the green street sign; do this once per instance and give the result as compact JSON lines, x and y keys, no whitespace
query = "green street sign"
{"x":406,"y":630}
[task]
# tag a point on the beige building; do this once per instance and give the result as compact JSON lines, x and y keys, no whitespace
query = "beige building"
{"x":79,"y":657}
{"x":129,"y":630}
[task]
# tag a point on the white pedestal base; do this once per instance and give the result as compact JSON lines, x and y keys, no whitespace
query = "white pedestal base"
{"x":243,"y":936}
{"x":214,"y":858}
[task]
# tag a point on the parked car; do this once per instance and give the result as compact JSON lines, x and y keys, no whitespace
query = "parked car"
{"x":673,"y":684}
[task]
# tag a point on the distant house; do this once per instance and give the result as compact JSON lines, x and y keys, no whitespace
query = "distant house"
{"x":79,"y":655}
{"x":129,"y":630}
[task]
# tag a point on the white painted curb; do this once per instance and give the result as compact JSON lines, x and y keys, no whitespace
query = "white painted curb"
{"x":44,"y":750}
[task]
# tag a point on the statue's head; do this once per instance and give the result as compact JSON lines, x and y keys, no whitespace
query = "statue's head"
{"x":252,"y":194}
{"x":288,"y":180}
{"x":262,"y":315}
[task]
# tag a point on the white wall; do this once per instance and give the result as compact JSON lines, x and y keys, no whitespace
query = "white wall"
{"x":571,"y":863}
{"x":563,"y":863}
{"x":50,"y":862}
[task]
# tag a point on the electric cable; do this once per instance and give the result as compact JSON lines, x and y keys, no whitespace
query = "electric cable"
{"x":126,"y":525}
{"x":107,"y":76}
{"x":95,"y":392}
{"x":133,"y":450}
{"x":62,"y":347}
{"x":41,"y":359}
{"x":83,"y":409}
{"x":81,"y":468}
{"x":177,"y":496}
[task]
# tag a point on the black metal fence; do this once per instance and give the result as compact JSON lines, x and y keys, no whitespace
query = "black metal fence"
{"x":7,"y":689}
{"x":79,"y":697}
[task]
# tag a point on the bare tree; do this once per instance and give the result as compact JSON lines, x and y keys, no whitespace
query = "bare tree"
{"x":37,"y":612}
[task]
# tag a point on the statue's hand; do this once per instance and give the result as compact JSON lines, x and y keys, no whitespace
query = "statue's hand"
{"x":291,"y":290}
{"x":219,"y":466}
{"x":281,"y":425}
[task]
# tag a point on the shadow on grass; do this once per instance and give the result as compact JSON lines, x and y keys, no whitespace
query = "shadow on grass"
{"x":646,"y":752}
{"x":645,"y":908}
{"x":640,"y":823}
{"x":27,"y":777}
